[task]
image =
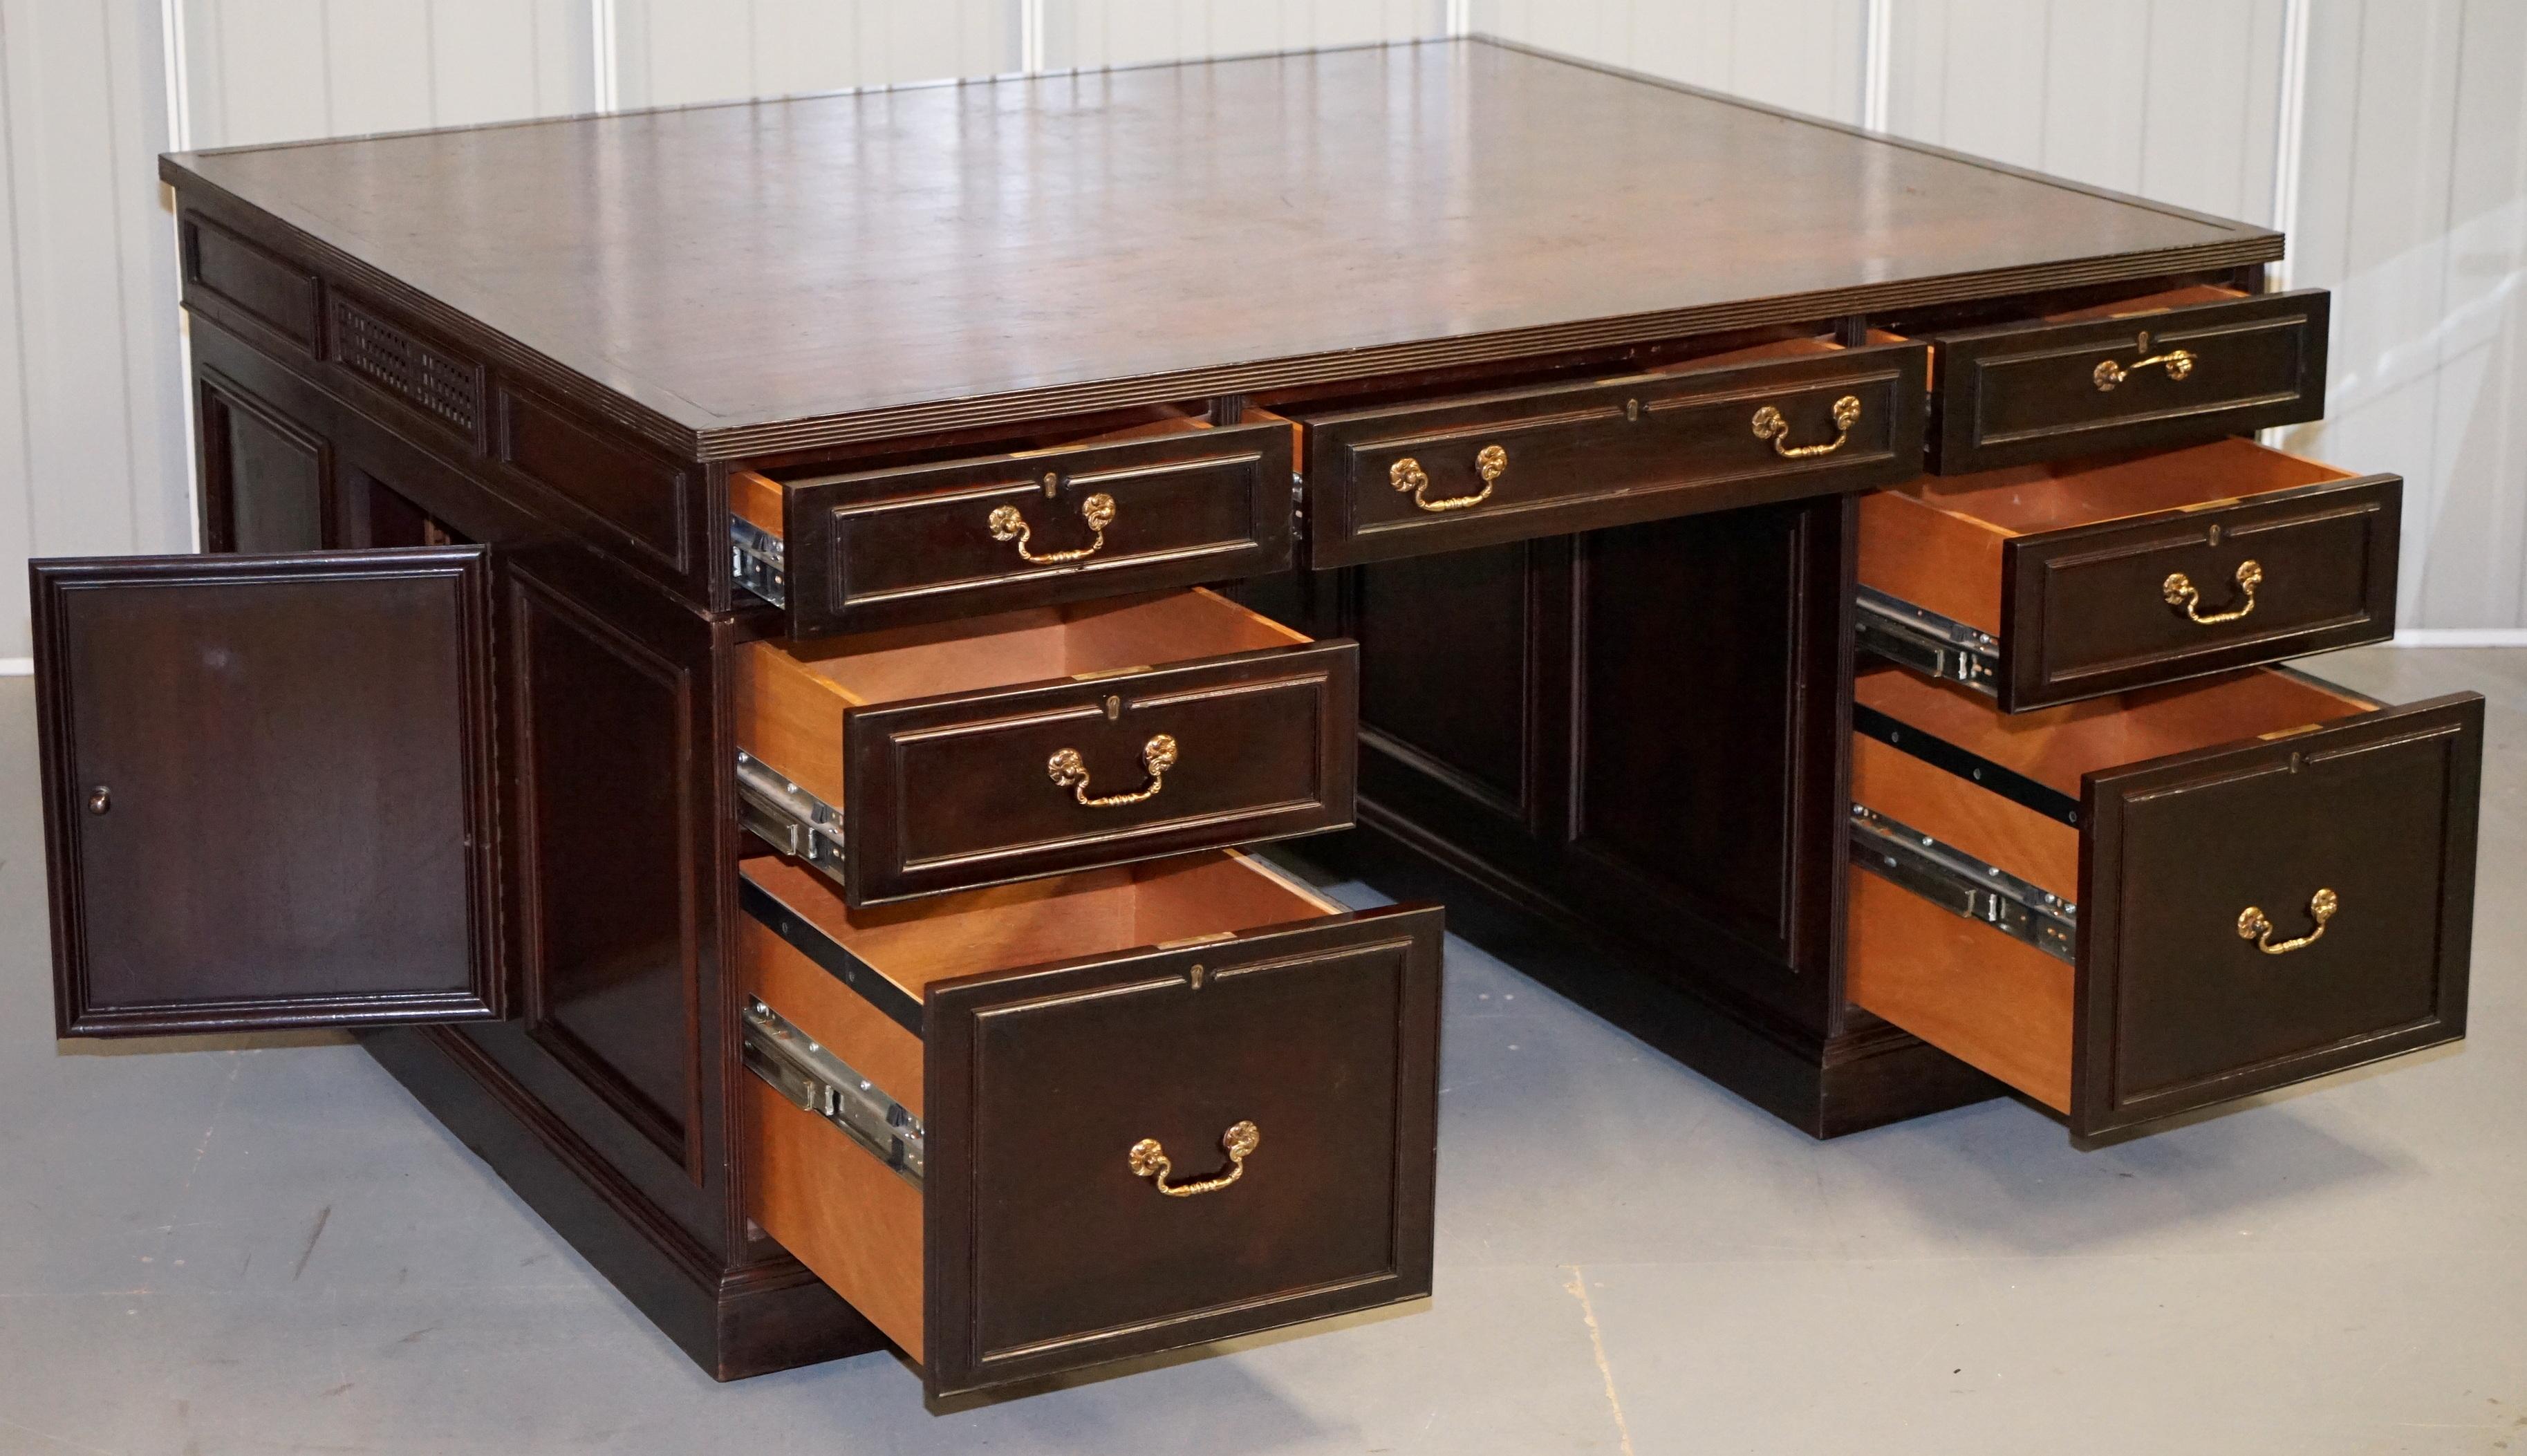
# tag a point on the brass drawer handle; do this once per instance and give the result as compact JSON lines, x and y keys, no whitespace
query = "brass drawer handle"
{"x":1150,"y":1160}
{"x":1096,"y":511}
{"x":2252,"y":924}
{"x":2177,"y":362}
{"x":1069,"y":771}
{"x":2179,"y":590}
{"x":1491,"y":462}
{"x":1769,"y":425}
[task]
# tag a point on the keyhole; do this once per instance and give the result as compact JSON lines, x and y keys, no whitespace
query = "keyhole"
{"x":1051,"y":484}
{"x":99,"y":800}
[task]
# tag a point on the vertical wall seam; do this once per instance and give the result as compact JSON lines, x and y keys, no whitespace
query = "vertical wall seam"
{"x":1459,"y":17}
{"x":2290,"y":130}
{"x":113,"y":87}
{"x":603,"y":88}
{"x":1877,"y":62}
{"x":18,"y":282}
{"x":175,"y":41}
{"x":1031,"y":37}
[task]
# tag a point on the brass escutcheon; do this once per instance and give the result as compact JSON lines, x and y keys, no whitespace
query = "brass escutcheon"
{"x":1149,"y":1161}
{"x":2252,"y":924}
{"x":2108,"y":374}
{"x":1769,"y":425}
{"x":2177,"y":591}
{"x":1096,"y":511}
{"x":1071,"y":771}
{"x":1491,"y":462}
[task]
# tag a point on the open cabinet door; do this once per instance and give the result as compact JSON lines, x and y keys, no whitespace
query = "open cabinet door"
{"x":269,"y":790}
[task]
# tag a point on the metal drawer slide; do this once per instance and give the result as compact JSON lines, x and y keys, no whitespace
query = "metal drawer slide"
{"x":787,"y":817}
{"x":758,"y":559}
{"x":1964,"y":885}
{"x":1927,"y":643}
{"x":819,"y":1082}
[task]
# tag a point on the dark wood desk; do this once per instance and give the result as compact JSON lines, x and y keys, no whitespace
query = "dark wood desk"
{"x":706,"y":648}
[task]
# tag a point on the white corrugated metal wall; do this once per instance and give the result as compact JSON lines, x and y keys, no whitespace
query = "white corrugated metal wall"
{"x":2408,"y":196}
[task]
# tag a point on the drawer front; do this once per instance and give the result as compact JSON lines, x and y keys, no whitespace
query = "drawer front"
{"x":2152,"y":599}
{"x":2024,"y":392}
{"x":1409,"y":479}
{"x":1050,"y":1247}
{"x":983,"y":788}
{"x":2256,"y":914}
{"x":925,"y":543}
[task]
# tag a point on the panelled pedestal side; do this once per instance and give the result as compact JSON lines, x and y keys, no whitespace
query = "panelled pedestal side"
{"x":430,"y":726}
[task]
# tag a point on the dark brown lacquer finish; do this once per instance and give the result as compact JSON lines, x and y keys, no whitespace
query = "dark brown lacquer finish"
{"x":1180,"y":233}
{"x":952,"y":792}
{"x":1046,"y":1253}
{"x":231,"y":277}
{"x":2021,"y":392}
{"x":1400,"y":480}
{"x":269,"y":790}
{"x":266,"y":481}
{"x":2176,"y":1008}
{"x":2086,"y":612}
{"x":908,"y":544}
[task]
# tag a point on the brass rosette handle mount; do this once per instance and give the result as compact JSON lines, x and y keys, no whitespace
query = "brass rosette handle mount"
{"x":1149,"y":1160}
{"x":2179,"y":590}
{"x":2110,"y":374}
{"x":1491,"y":462}
{"x":1007,"y":523}
{"x":1771,"y":425}
{"x":2255,"y":926}
{"x":1068,"y":770}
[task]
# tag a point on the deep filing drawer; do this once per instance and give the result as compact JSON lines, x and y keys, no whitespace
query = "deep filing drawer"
{"x":1030,"y":1129}
{"x":1783,"y":421}
{"x":2135,"y":907}
{"x":944,"y":757}
{"x":2166,"y":370}
{"x":2044,"y":584}
{"x":1173,"y":502}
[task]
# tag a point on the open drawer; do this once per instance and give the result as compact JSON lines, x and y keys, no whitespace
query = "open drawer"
{"x":947,"y":756}
{"x":1165,"y":496}
{"x":2134,"y":906}
{"x":1048,"y":1126}
{"x":2164,"y":369}
{"x":2043,"y":583}
{"x":1404,"y":476}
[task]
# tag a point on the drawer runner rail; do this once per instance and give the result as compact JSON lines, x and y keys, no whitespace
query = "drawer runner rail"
{"x":1927,"y":643}
{"x":790,"y":818}
{"x":757,"y":558}
{"x":1964,"y":885}
{"x":817,"y":1081}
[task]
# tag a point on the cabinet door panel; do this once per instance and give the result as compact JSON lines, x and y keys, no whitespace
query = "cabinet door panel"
{"x":268,"y":789}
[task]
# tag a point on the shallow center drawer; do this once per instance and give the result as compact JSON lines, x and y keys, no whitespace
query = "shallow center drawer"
{"x":1167,"y":497}
{"x":2163,"y":369}
{"x":939,"y":758}
{"x":2138,"y":905}
{"x":1777,"y":421}
{"x":1042,"y":1126}
{"x":2043,"y":583}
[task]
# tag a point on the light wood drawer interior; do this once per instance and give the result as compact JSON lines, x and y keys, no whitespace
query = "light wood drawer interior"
{"x":2070,"y":579}
{"x":961,"y":753}
{"x":2147,"y":825}
{"x":1018,"y":1025}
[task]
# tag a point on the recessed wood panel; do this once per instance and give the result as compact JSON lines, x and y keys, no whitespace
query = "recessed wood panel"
{"x":605,"y":735}
{"x":1444,"y":667}
{"x":265,"y":477}
{"x":1692,"y":790}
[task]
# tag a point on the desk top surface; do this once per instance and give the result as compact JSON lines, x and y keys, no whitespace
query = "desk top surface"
{"x":779,"y":275}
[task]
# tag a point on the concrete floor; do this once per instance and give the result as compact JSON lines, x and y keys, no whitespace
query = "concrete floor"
{"x":267,"y":1247}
